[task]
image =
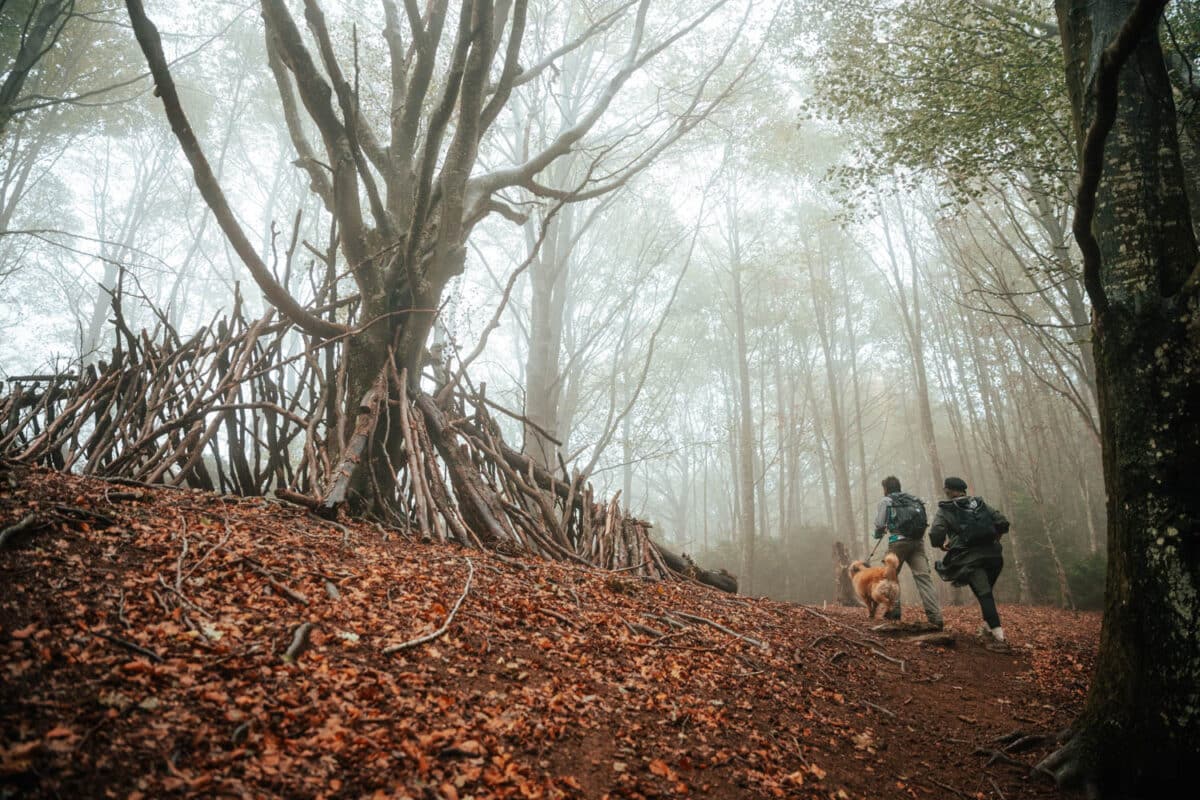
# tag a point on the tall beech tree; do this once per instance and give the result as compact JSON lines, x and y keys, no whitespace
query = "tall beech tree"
{"x":1140,"y":731}
{"x":406,"y":194}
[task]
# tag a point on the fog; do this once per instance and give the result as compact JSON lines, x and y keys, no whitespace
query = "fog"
{"x":735,"y":261}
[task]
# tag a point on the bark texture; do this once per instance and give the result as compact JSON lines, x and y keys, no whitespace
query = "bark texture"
{"x":1141,"y":728}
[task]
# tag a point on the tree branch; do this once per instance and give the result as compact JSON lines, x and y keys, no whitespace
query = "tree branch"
{"x":210,"y":189}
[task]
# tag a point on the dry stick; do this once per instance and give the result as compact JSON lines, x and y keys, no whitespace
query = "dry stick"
{"x":720,"y":627}
{"x":878,"y":708}
{"x":440,"y":512}
{"x":291,"y":594}
{"x":364,"y":427}
{"x":414,"y":468}
{"x":429,"y":637}
{"x":555,"y":615}
{"x":860,"y":638}
{"x":150,"y":654}
{"x":637,"y":627}
{"x":992,"y":781}
{"x":182,"y":597}
{"x":948,"y":788}
{"x":299,"y":643}
{"x":182,"y":557}
{"x":999,"y":755}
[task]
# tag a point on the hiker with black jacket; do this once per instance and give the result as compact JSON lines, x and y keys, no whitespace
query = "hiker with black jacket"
{"x":902,"y":517}
{"x":970,"y":530}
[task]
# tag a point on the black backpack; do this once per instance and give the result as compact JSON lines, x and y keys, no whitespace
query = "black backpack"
{"x":976,"y":522}
{"x":908,"y":515}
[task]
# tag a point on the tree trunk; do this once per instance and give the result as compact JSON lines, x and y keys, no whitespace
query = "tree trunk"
{"x":745,"y":436}
{"x":843,"y":499}
{"x":1140,"y":730}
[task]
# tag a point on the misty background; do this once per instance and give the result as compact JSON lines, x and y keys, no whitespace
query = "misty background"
{"x":806,"y":245}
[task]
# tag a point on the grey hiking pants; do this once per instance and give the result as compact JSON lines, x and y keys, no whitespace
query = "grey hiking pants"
{"x":912,"y":552}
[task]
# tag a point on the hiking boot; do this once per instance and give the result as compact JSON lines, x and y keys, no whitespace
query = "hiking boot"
{"x":999,"y":646}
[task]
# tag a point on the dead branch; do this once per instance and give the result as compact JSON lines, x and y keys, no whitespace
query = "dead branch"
{"x":150,"y":654}
{"x":387,"y":651}
{"x":704,"y":621}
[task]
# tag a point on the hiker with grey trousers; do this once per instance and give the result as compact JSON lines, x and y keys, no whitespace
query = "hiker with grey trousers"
{"x":969,"y":530}
{"x":902,"y":517}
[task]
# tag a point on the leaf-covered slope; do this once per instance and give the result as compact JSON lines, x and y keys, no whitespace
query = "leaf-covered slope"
{"x":144,"y":652}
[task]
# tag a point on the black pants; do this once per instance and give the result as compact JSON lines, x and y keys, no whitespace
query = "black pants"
{"x":981,"y":580}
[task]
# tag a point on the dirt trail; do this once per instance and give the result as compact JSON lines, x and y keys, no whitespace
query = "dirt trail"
{"x":144,"y":633}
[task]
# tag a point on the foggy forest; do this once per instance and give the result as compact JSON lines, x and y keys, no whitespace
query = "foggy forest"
{"x":571,"y":350}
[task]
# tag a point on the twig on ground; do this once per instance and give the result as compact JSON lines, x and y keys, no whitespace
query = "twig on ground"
{"x":555,"y":615}
{"x":182,"y":557}
{"x":182,"y":597}
{"x":429,"y":637}
{"x":948,"y":788}
{"x":68,"y":511}
{"x":150,"y":654}
{"x":703,"y":620}
{"x":637,"y":628}
{"x":878,"y":708}
{"x":886,"y":657}
{"x":999,"y":755}
{"x":992,"y":781}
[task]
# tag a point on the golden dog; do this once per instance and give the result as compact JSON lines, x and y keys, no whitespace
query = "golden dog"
{"x":877,"y":587}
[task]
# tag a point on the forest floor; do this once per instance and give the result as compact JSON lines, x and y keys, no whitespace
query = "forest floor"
{"x":143,"y":640}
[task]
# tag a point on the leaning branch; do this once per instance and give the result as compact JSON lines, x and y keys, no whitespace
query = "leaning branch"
{"x":151,"y":44}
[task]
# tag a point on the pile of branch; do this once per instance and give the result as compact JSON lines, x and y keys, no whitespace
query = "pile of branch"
{"x":247,"y":407}
{"x":228,"y":409}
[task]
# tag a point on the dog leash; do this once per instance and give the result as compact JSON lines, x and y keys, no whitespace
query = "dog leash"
{"x":878,"y":542}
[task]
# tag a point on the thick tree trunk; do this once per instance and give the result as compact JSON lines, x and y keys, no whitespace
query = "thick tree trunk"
{"x":1140,"y":732}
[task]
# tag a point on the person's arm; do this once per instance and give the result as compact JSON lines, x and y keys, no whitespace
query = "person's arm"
{"x":940,"y":530}
{"x":1000,"y":522}
{"x":881,"y":516}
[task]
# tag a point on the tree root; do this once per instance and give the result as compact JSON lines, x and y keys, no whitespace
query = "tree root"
{"x":10,"y":535}
{"x":1069,"y":768}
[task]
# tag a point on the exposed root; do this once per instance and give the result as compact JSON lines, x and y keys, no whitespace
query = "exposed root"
{"x":1069,"y":767}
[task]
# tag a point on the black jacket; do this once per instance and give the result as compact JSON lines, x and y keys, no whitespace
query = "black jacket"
{"x":961,"y":559}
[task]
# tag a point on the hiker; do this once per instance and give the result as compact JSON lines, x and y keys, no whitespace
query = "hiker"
{"x":969,"y":531}
{"x":902,"y":517}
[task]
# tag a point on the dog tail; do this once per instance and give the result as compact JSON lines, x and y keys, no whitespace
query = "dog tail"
{"x":892,"y":564}
{"x":856,"y":568}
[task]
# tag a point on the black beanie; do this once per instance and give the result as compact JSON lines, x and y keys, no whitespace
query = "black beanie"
{"x":957,"y":484}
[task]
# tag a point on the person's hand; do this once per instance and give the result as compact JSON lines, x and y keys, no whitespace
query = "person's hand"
{"x":878,"y":534}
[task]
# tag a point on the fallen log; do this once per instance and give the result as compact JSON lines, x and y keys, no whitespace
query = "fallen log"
{"x":718,"y":579}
